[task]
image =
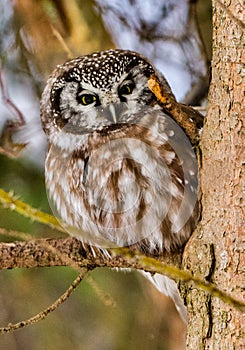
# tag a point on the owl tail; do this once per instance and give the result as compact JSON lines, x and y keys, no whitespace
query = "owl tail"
{"x":169,"y":288}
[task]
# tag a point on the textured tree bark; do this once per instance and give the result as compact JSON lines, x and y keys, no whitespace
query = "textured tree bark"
{"x":72,"y":252}
{"x":216,"y":250}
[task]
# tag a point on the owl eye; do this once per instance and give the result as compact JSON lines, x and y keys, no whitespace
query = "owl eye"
{"x":127,"y":88}
{"x":87,"y":99}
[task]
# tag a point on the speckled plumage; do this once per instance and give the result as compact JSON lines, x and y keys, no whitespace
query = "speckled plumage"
{"x":119,"y":170}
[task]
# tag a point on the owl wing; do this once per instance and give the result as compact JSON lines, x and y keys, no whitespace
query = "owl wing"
{"x":169,"y":288}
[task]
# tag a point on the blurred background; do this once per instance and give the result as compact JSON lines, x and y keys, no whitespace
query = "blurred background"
{"x":109,"y":310}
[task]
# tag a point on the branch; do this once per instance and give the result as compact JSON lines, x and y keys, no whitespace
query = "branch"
{"x":23,"y":236}
{"x":62,"y":42}
{"x":41,"y":315}
{"x":20,"y":120}
{"x":50,"y":252}
{"x":8,"y":147}
{"x":11,"y":202}
{"x":74,"y":253}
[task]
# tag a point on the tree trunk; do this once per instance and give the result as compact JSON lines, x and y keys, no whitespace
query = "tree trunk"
{"x":215,"y":249}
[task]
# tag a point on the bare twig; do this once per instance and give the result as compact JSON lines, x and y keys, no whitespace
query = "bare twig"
{"x":8,"y":147}
{"x":20,"y":120}
{"x":17,"y":234}
{"x":62,"y":42}
{"x":41,"y":315}
{"x":106,"y":298}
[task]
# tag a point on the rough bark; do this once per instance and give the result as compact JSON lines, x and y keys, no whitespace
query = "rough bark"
{"x":216,"y":249}
{"x":72,"y":252}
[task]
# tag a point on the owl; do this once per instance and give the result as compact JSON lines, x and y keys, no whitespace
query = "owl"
{"x":119,"y":170}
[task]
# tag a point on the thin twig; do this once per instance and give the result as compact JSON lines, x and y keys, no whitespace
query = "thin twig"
{"x":17,"y":234}
{"x":106,"y":298}
{"x":11,"y":202}
{"x":62,"y":42}
{"x":8,"y":147}
{"x":20,"y":120}
{"x":41,"y":315}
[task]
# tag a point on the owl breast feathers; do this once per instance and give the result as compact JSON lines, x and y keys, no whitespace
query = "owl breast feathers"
{"x":119,"y":171}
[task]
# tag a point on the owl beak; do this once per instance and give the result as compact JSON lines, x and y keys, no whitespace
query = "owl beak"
{"x":112,"y":111}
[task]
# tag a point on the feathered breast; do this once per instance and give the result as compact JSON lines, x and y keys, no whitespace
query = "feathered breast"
{"x":124,"y":185}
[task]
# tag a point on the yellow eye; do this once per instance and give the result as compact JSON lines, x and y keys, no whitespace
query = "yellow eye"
{"x":127,"y":88}
{"x":87,"y":99}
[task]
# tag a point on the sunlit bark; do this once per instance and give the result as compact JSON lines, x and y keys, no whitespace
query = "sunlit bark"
{"x":215,"y":251}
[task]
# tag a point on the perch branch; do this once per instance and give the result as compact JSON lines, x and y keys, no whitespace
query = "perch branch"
{"x":36,"y":253}
{"x":39,"y":253}
{"x":72,"y":252}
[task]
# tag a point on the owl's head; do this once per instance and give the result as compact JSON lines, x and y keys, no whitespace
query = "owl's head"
{"x":96,"y":91}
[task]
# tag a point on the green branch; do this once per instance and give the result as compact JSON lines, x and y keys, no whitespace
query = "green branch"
{"x":11,"y":202}
{"x":153,"y":265}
